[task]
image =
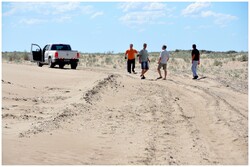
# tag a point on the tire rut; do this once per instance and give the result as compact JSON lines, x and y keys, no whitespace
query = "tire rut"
{"x":235,"y":131}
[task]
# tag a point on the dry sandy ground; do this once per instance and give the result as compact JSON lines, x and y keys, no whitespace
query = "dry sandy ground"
{"x":101,"y":116}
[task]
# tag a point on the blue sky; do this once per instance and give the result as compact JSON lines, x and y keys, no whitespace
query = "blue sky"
{"x":112,"y":26}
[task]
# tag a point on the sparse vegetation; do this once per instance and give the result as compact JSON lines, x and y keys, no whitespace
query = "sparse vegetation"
{"x":217,"y":63}
{"x":202,"y":69}
{"x":108,"y":60}
{"x":15,"y":56}
{"x":243,"y":58}
{"x":228,"y":65}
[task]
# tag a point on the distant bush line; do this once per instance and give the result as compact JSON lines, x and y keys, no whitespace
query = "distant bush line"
{"x":178,"y":53}
{"x":15,"y":56}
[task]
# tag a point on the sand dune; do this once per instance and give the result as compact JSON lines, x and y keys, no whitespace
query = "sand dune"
{"x":95,"y":116}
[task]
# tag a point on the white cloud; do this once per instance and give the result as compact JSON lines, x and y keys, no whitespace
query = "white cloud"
{"x":198,"y":9}
{"x":60,"y":8}
{"x":32,"y":21}
{"x":219,"y":18}
{"x":88,"y":9}
{"x":207,"y":13}
{"x":21,"y":8}
{"x":49,"y":8}
{"x":62,"y":19}
{"x":63,"y":11}
{"x":154,"y":6}
{"x":96,"y":14}
{"x":128,"y":6}
{"x":139,"y":18}
{"x":137,"y":14}
{"x":195,"y":8}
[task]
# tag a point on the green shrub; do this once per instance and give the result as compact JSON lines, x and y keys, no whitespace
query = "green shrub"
{"x":217,"y":63}
{"x":15,"y":56}
{"x":243,"y":58}
{"x":187,"y":60}
{"x":25,"y":56}
{"x":108,"y":60}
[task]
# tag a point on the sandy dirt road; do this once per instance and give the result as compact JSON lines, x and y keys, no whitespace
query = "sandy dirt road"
{"x":103,"y":117}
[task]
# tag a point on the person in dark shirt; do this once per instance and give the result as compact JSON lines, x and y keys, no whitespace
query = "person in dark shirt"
{"x":195,"y":61}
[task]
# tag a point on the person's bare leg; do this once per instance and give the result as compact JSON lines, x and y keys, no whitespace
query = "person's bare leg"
{"x":159,"y":71}
{"x":145,"y":70}
{"x":142,"y":71}
{"x":165,"y":74}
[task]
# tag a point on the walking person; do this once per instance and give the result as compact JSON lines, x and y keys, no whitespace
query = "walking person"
{"x":163,"y":59}
{"x":144,"y":60}
{"x":195,"y":61}
{"x":130,"y":55}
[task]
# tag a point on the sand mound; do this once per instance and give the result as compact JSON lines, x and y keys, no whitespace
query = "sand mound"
{"x":93,"y":94}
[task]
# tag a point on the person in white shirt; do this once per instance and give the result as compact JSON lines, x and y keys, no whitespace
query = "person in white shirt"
{"x":163,"y":59}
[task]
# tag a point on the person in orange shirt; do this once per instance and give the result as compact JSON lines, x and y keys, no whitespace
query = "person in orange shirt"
{"x":130,"y":55}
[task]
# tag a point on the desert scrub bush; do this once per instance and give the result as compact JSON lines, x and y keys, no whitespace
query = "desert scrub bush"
{"x":25,"y":56}
{"x":153,"y":59}
{"x":187,"y":60}
{"x":172,"y":68}
{"x":226,"y":60}
{"x":231,"y":51}
{"x":236,"y":74}
{"x":172,"y":60}
{"x":205,"y":62}
{"x":108,"y":60}
{"x":202,"y":69}
{"x":243,"y":58}
{"x":90,"y":60}
{"x":15,"y":56}
{"x":217,"y":63}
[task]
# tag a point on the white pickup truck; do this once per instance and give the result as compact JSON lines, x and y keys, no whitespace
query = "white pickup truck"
{"x":54,"y":54}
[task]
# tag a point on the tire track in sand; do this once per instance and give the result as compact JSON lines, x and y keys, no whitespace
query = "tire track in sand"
{"x":137,"y":122}
{"x":161,"y":126}
{"x":222,"y":128}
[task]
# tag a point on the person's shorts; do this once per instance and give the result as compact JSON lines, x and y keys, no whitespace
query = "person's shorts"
{"x":144,"y":65}
{"x":162,"y":65}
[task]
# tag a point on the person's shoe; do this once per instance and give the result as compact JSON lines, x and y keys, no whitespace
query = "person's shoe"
{"x":159,"y":78}
{"x":164,"y":78}
{"x":195,"y":77}
{"x":134,"y":72}
{"x":143,"y":77}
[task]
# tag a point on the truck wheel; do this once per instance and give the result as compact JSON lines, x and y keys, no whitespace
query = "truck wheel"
{"x":73,"y":65}
{"x":39,"y":64}
{"x":61,"y":65}
{"x":51,"y":65}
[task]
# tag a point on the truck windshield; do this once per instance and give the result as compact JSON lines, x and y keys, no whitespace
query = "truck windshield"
{"x":60,"y":47}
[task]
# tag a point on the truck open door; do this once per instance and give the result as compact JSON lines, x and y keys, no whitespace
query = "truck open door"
{"x":36,"y":53}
